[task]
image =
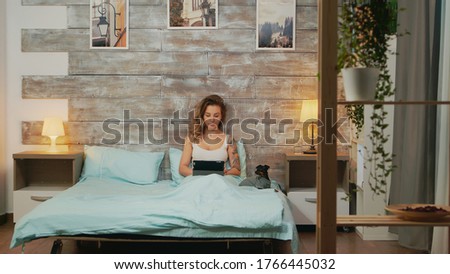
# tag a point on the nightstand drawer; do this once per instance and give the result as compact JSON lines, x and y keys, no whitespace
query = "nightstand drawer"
{"x":24,"y":200}
{"x":304,"y":202}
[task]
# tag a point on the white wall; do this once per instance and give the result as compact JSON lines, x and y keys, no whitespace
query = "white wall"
{"x":18,"y":64}
{"x":2,"y":106}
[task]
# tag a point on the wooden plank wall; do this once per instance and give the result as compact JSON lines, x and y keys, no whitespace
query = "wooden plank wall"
{"x":165,"y":71}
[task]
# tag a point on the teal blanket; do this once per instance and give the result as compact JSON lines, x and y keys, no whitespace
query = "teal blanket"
{"x":202,"y":206}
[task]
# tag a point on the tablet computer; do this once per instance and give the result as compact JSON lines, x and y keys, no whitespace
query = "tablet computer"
{"x":208,"y":167}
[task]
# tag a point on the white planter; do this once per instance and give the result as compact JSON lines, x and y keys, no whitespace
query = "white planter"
{"x":360,"y":83}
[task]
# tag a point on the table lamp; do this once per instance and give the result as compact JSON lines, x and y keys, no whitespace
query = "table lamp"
{"x":309,"y":114}
{"x":53,"y":128}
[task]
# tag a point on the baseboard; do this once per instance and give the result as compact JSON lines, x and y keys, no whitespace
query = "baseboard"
{"x":380,"y":236}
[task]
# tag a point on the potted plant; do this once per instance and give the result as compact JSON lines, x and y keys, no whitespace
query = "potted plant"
{"x":355,"y":59}
{"x":365,"y":29}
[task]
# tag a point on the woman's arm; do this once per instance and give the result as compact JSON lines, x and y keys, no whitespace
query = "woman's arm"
{"x":186,"y":157}
{"x":233,"y":156}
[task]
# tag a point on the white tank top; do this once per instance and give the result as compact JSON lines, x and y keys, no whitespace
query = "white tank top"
{"x":219,"y":154}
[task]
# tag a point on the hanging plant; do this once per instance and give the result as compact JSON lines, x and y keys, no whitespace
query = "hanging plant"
{"x":365,"y":29}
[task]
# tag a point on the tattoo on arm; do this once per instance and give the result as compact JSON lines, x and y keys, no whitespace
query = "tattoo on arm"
{"x":235,"y":158}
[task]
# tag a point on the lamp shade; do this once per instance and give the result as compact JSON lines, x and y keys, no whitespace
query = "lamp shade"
{"x":309,"y":110}
{"x":53,"y":126}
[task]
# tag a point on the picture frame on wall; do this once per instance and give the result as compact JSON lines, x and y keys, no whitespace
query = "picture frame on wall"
{"x":192,"y":14}
{"x":109,"y":26}
{"x":275,"y":24}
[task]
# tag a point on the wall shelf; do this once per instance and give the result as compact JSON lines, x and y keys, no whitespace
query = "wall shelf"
{"x":386,"y":220}
{"x":393,"y":102}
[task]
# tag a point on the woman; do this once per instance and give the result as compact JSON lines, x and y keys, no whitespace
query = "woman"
{"x":207,"y":140}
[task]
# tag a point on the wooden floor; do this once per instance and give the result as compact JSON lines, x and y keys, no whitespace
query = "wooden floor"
{"x":347,"y":243}
{"x":351,"y":243}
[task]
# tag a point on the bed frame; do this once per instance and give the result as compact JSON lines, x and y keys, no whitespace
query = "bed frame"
{"x":268,"y":246}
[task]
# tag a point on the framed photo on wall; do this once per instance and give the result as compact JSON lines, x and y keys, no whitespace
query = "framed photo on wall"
{"x":192,"y":14}
{"x":109,"y":26}
{"x":275,"y":24}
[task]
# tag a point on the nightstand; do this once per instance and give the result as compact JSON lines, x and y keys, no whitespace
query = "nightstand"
{"x":39,"y":175}
{"x":301,"y":186}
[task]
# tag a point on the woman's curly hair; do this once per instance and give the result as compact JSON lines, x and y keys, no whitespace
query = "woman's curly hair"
{"x":196,"y":128}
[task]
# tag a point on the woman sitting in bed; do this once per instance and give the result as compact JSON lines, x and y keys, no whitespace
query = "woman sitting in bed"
{"x":207,"y":140}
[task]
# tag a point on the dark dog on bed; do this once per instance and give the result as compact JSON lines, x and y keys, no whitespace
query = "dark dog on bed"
{"x":261,"y":180}
{"x":262,"y":171}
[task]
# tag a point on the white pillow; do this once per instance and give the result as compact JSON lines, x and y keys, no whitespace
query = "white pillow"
{"x":175,"y":159}
{"x":129,"y":166}
{"x":242,"y":158}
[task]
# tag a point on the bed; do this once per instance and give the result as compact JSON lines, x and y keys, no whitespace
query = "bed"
{"x":119,"y":196}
